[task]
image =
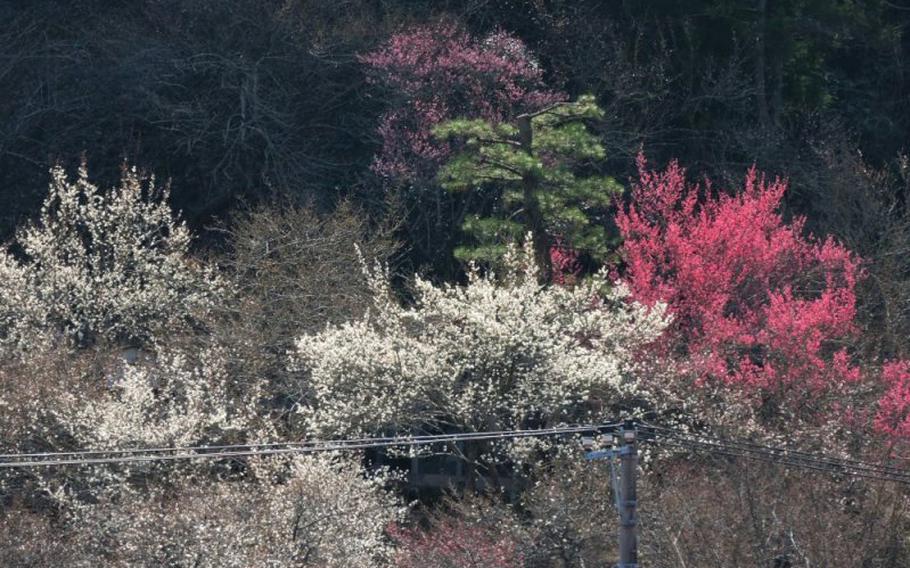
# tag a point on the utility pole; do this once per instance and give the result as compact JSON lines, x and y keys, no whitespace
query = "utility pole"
{"x":625,"y":446}
{"x":628,"y":517}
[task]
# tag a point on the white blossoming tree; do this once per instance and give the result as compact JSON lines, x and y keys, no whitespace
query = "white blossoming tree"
{"x":320,"y":511}
{"x":500,"y":352}
{"x":97,"y":401}
{"x":101,"y":270}
{"x":174,"y":400}
{"x":314,"y":511}
{"x":96,"y":265}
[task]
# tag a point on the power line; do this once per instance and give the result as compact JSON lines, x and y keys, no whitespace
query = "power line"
{"x":779,"y":453}
{"x":49,"y":459}
{"x":784,"y":453}
{"x":170,"y":449}
{"x":753,"y":445}
{"x":780,"y":456}
{"x":795,"y":464}
{"x":791,"y":463}
{"x":651,"y":433}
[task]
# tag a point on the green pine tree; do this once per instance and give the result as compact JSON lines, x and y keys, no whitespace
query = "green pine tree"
{"x":540,"y":177}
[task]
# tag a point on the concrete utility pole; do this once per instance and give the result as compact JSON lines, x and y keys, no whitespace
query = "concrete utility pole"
{"x":625,"y":446}
{"x":628,"y":518}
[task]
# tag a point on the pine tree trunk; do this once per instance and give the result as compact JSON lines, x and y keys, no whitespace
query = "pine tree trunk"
{"x":534,"y":216}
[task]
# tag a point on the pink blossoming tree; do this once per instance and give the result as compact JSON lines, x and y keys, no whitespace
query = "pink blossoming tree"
{"x":893,"y":416}
{"x":440,"y":72}
{"x":567,"y":268}
{"x":454,"y":543}
{"x":757,"y":304}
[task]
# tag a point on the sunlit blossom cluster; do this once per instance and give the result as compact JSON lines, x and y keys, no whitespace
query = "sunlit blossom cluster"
{"x":111,"y":275}
{"x":175,"y":400}
{"x":500,"y":352}
{"x":101,"y":266}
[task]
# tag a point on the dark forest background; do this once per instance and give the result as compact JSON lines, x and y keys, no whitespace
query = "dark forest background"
{"x":239,"y":102}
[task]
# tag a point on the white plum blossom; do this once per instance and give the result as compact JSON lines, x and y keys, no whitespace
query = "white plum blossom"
{"x":500,"y":352}
{"x":176,"y":398}
{"x":287,"y":510}
{"x":107,"y":270}
{"x":170,"y":400}
{"x":96,"y":265}
{"x":309,"y":511}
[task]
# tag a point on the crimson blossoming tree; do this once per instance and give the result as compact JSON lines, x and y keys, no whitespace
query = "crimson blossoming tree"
{"x":757,"y":304}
